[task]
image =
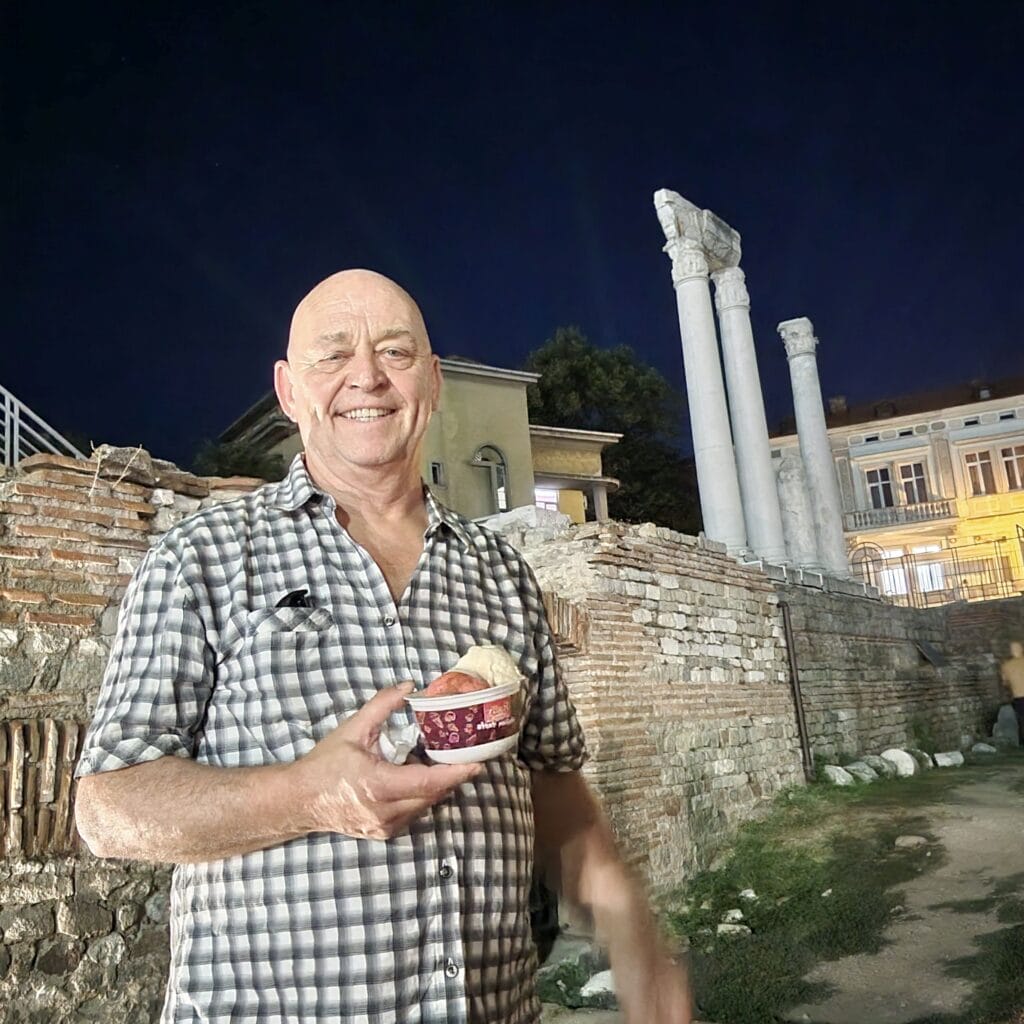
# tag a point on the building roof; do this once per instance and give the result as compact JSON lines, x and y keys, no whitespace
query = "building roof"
{"x":839,"y":414}
{"x":601,"y":437}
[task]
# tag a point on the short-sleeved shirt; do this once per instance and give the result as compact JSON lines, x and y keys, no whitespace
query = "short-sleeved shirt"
{"x":430,"y":926}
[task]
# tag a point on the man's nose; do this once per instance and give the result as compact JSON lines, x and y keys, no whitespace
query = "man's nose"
{"x":365,"y":371}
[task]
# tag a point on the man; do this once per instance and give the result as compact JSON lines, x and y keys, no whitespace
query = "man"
{"x":1012,"y":674}
{"x":263,"y":645}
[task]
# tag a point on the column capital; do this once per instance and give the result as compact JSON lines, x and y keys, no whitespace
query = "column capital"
{"x":688,"y":260}
{"x":798,"y":336}
{"x":730,"y":290}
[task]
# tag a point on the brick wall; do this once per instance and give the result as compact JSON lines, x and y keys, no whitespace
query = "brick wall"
{"x":682,"y":680}
{"x":80,"y":939}
{"x":674,"y":653}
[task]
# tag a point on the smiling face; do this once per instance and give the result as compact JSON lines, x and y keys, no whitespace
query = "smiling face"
{"x":360,"y":380}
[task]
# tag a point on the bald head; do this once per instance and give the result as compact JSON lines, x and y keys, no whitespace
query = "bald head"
{"x":347,"y":295}
{"x":1016,"y":649}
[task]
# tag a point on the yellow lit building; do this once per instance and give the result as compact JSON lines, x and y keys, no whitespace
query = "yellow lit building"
{"x":933,"y":490}
{"x":480,"y":455}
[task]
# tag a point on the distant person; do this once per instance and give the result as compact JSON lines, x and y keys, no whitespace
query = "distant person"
{"x":262,"y":645}
{"x":1012,"y":674}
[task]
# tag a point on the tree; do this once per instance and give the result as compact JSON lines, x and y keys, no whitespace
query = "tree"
{"x":236,"y":458}
{"x":588,"y":388}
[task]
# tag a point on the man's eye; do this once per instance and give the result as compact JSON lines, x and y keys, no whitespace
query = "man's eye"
{"x":397,"y":353}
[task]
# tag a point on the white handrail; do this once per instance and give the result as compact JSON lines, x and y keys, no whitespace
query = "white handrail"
{"x":23,"y":433}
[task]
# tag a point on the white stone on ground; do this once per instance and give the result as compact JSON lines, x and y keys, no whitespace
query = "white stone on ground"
{"x":909,"y":842}
{"x":862,"y":772}
{"x":748,"y":894}
{"x":733,"y":916}
{"x":983,"y":748}
{"x":837,"y":776}
{"x":600,"y":984}
{"x":949,"y":759}
{"x":902,"y":762}
{"x":733,"y":929}
{"x":880,"y":765}
{"x":922,"y":757}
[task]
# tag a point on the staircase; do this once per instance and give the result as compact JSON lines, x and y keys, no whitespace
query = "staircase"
{"x":23,"y":433}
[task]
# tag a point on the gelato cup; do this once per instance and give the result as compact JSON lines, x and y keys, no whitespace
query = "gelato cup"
{"x":458,"y":728}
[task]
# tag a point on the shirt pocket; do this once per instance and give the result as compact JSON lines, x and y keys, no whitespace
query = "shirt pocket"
{"x":286,"y":686}
{"x":268,"y":621}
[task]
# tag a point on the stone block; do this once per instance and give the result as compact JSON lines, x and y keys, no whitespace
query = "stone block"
{"x":107,"y":951}
{"x":83,"y":918}
{"x":837,"y":776}
{"x":902,"y":762}
{"x":862,"y":772}
{"x":949,"y":759}
{"x":1004,"y":732}
{"x":26,"y":923}
{"x":58,"y":956}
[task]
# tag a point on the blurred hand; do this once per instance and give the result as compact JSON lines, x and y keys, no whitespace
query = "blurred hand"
{"x":350,"y":789}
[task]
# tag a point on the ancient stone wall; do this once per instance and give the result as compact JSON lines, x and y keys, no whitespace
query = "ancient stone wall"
{"x":675,"y":655}
{"x":682,"y":679}
{"x":80,"y":939}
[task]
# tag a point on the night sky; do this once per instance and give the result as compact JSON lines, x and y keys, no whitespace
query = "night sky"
{"x":176,"y":179}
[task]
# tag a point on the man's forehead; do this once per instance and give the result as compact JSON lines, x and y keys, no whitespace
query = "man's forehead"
{"x":348,"y":306}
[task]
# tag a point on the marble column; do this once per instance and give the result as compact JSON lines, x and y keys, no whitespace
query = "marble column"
{"x":815,"y":449}
{"x":705,"y":392}
{"x":797,"y":513}
{"x":758,"y":490}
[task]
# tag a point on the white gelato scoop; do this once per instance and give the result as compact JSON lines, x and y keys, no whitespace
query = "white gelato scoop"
{"x":492,"y":664}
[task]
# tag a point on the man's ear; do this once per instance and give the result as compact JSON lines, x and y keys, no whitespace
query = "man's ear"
{"x":284,"y":388}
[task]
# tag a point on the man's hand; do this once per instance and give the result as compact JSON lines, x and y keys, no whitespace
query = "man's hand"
{"x":352,"y":790}
{"x":575,"y":845}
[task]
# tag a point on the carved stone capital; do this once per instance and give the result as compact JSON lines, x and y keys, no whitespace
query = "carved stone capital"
{"x":798,"y":336}
{"x":688,"y":260}
{"x":680,"y":219}
{"x":730,"y":290}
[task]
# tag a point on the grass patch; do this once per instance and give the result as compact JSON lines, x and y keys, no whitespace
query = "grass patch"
{"x":996,"y":973}
{"x":822,"y":893}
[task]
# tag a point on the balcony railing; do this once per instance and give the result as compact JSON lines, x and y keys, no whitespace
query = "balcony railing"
{"x":23,"y":433}
{"x":898,"y":515}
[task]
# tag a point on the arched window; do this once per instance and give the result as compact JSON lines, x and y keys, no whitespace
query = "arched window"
{"x":493,"y":461}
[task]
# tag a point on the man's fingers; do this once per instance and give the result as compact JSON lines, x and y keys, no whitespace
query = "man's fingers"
{"x":419,"y":782}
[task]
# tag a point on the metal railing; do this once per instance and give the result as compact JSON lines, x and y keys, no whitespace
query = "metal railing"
{"x":897,"y":515}
{"x":23,"y":433}
{"x":967,"y":572}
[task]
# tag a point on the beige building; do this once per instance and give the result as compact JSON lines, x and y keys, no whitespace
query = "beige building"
{"x":480,"y":454}
{"x":932,"y":489}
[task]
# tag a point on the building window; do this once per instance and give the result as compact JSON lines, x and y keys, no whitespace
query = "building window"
{"x":880,"y":487}
{"x":912,"y":478}
{"x":1013,"y":463}
{"x":437,"y":474}
{"x":1010,"y":415}
{"x":489,"y":457}
{"x":546,"y":497}
{"x":972,"y":422}
{"x":979,"y":471}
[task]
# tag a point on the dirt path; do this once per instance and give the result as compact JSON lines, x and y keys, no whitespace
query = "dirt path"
{"x":980,"y":829}
{"x":977,"y":830}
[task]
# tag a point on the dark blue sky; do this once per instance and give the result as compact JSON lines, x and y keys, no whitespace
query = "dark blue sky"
{"x":176,"y":179}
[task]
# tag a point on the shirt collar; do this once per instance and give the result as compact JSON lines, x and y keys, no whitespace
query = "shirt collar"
{"x":297,"y":490}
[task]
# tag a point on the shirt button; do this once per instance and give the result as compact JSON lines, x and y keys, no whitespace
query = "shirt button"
{"x":389,"y":620}
{"x":451,"y":968}
{"x":446,"y":871}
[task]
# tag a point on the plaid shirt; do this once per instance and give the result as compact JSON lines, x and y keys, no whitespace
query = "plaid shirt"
{"x":431,"y":926}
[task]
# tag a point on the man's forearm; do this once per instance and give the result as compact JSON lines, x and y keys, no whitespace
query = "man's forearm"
{"x":576,"y":846}
{"x":174,"y":810}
